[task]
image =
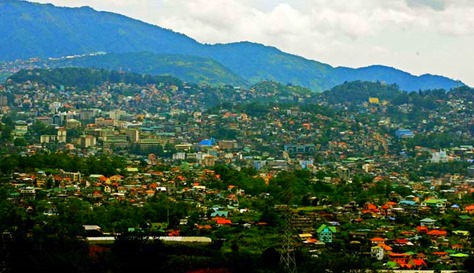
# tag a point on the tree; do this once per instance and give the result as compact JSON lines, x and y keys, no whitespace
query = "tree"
{"x":50,"y":183}
{"x":7,"y":125}
{"x":20,"y":142}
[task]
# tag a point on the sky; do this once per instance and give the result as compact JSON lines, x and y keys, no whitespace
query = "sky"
{"x":417,"y":36}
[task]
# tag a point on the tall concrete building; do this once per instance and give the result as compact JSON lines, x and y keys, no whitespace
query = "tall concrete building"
{"x":62,"y":133}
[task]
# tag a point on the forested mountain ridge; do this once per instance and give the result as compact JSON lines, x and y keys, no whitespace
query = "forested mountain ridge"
{"x":87,"y":78}
{"x":187,"y":68}
{"x":29,"y":30}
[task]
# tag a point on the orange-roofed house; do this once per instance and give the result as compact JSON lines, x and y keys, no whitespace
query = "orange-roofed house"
{"x":310,"y":241}
{"x":97,"y":178}
{"x":116,"y":178}
{"x":97,"y":194}
{"x":57,"y":177}
{"x":399,"y":258}
{"x":413,"y":264}
{"x":390,"y":204}
{"x":204,"y":227}
{"x":386,"y":248}
{"x":405,"y":265}
{"x":150,"y":193}
{"x":440,"y":253}
{"x":437,"y":233}
{"x":457,"y":247}
{"x":373,"y":207}
{"x":232,"y":197}
{"x":418,"y":263}
{"x":377,"y":240}
{"x":470,"y":209}
{"x":409,"y":233}
{"x":378,"y":178}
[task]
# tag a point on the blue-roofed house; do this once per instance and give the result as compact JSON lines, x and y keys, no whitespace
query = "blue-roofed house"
{"x":207,"y":143}
{"x":404,"y":133}
{"x":409,"y":203}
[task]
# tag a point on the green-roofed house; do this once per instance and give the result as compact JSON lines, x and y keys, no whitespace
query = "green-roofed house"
{"x":427,"y":222}
{"x":459,"y":255}
{"x":220,"y":213}
{"x":131,"y":169}
{"x":434,"y":203}
{"x":464,"y":233}
{"x":392,"y":265}
{"x":326,"y":233}
{"x":158,"y":227}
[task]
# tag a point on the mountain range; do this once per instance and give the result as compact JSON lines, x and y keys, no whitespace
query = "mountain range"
{"x":45,"y":31}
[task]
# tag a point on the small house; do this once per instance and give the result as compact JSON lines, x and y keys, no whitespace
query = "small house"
{"x":326,"y":233}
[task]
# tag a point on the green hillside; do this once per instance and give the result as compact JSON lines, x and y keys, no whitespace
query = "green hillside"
{"x":187,"y":68}
{"x":37,"y":30}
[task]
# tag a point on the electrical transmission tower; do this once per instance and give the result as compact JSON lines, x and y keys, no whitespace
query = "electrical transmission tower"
{"x":287,"y":256}
{"x":5,"y":253}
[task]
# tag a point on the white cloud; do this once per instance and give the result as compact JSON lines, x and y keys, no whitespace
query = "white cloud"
{"x":433,"y":4}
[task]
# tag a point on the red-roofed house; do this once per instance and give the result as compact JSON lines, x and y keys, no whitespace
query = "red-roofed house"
{"x":402,"y":242}
{"x":173,"y":232}
{"x":223,"y":221}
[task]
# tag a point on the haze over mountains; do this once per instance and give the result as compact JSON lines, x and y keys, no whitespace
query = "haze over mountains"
{"x":35,"y":30}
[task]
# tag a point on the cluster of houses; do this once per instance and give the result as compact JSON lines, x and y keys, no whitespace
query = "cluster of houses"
{"x":418,"y":245}
{"x":177,"y":126}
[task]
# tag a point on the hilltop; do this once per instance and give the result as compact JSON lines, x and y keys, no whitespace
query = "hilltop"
{"x":31,"y":30}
